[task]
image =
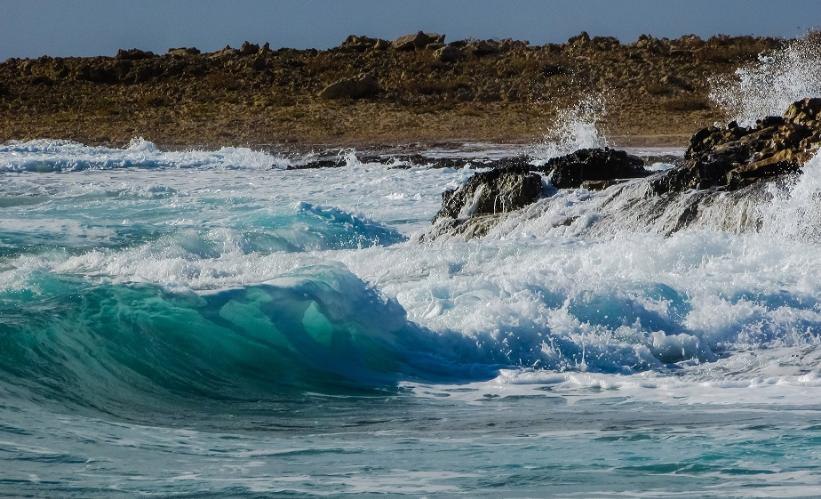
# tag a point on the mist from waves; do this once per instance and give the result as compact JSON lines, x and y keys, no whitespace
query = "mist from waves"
{"x":768,"y":86}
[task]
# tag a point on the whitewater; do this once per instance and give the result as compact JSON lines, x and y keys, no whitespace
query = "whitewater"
{"x":223,"y":323}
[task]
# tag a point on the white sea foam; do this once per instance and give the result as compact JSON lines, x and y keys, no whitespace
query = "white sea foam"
{"x":60,"y":155}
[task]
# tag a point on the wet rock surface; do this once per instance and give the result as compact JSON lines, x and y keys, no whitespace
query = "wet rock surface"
{"x":734,"y":156}
{"x":488,"y":193}
{"x":593,"y":167}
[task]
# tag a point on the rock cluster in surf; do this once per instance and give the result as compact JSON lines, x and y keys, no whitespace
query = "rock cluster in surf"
{"x":734,"y":156}
{"x":719,"y":159}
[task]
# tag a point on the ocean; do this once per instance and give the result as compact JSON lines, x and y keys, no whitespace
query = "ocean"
{"x":211,"y":323}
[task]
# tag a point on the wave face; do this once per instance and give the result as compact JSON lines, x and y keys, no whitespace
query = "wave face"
{"x":104,"y":346}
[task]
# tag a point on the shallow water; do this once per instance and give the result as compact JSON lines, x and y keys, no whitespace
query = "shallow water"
{"x":203,"y":323}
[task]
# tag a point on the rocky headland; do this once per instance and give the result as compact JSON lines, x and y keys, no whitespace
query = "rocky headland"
{"x":367,"y":91}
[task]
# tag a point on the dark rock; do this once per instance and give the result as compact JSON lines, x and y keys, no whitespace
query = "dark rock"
{"x":419,"y":40}
{"x":352,"y":88}
{"x":605,"y":42}
{"x":96,"y":72}
{"x":248,"y":48}
{"x":596,"y":165}
{"x":448,"y":53}
{"x":481,"y":48}
{"x":133,"y":54}
{"x":555,"y":70}
{"x":734,"y":156}
{"x":580,"y":40}
{"x":488,"y":193}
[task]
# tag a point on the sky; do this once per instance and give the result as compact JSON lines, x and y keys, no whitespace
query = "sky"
{"x":30,"y":28}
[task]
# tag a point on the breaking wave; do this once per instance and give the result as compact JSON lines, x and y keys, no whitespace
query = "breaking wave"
{"x":64,"y":156}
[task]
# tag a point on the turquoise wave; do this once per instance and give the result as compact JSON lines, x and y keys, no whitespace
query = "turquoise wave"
{"x":98,"y":346}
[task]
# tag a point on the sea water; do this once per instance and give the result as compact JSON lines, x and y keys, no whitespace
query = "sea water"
{"x":212,"y":323}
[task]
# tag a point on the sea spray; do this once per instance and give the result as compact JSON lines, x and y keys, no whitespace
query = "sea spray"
{"x":769,"y":86}
{"x":576,"y":127}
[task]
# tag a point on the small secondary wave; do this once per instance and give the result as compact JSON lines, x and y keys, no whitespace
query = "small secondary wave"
{"x":66,"y":156}
{"x":301,"y":227}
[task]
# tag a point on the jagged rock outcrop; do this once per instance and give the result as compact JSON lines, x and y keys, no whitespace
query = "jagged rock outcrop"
{"x":448,"y":53}
{"x":495,"y":191}
{"x":133,"y":54}
{"x":734,"y":156}
{"x":593,"y":168}
{"x":351,"y":88}
{"x":183,"y":51}
{"x":358,"y":43}
{"x":725,"y":167}
{"x":416,"y":41}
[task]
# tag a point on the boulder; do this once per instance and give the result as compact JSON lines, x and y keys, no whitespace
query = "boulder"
{"x":580,"y":40}
{"x":359,"y":87}
{"x":481,"y":48}
{"x":356,"y":43}
{"x":133,"y":54}
{"x":448,"y":53}
{"x":492,"y":192}
{"x":416,"y":41}
{"x":183,"y":51}
{"x":226,"y":52}
{"x":734,"y":156}
{"x":248,"y":48}
{"x":593,"y":168}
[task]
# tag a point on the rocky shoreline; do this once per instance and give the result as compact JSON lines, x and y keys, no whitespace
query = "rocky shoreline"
{"x":720,"y":161}
{"x":420,"y":88}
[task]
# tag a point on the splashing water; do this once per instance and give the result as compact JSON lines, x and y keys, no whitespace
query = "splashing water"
{"x":575,"y":128}
{"x":769,"y":86}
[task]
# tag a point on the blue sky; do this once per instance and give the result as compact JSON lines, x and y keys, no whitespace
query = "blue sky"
{"x":29,"y":28}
